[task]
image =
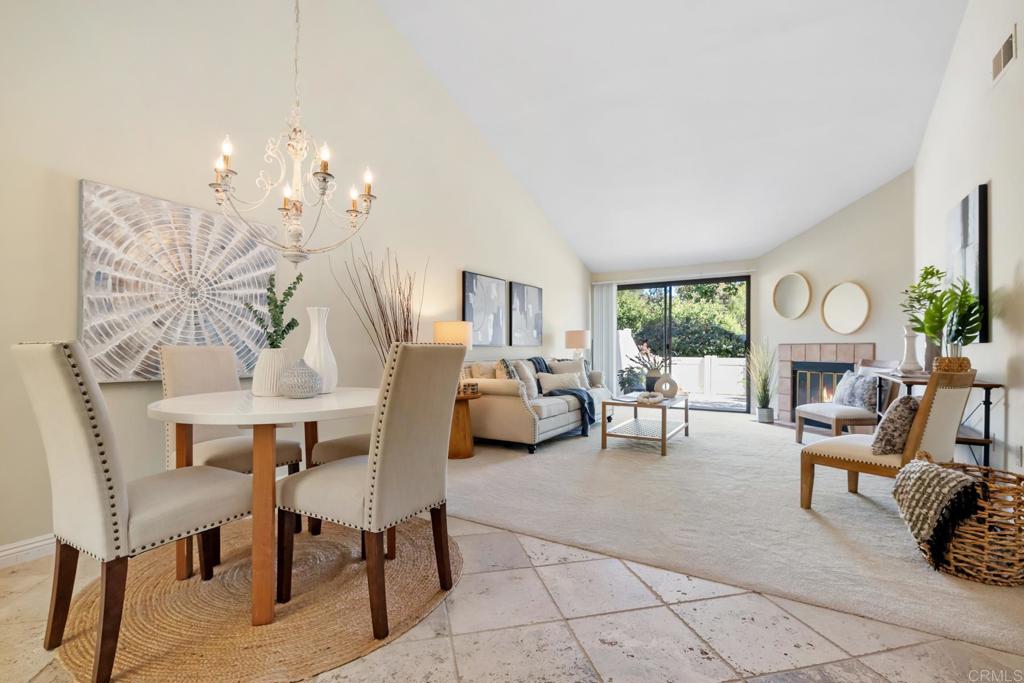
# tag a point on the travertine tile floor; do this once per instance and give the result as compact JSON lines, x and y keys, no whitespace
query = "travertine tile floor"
{"x":528,"y":610}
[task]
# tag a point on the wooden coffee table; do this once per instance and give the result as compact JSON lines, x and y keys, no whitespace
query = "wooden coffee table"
{"x":646,"y":429}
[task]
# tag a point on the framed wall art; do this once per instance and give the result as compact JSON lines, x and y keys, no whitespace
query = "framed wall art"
{"x":526,"y":313}
{"x":484,"y":301}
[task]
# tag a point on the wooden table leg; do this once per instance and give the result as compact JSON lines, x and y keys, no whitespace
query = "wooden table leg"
{"x":264,"y":448}
{"x":686,"y":416}
{"x":460,"y":442}
{"x":664,"y":431}
{"x":604,"y":426}
{"x":183,"y":458}
{"x":312,"y":436}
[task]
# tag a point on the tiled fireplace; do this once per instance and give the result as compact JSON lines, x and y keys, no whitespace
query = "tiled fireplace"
{"x":808,"y":373}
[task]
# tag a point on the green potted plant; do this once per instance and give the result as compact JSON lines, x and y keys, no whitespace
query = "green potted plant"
{"x":651,"y":362}
{"x":952,"y":321}
{"x":916,"y":299}
{"x":761,"y":371}
{"x":273,"y":359}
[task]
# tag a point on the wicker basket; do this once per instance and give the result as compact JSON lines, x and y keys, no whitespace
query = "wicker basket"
{"x":989,"y":547}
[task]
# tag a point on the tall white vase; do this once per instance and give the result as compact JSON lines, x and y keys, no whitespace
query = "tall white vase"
{"x":910,"y":362}
{"x":319,"y":355}
{"x":269,"y":366}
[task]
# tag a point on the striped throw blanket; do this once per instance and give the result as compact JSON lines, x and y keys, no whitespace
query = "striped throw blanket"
{"x":933,"y":501}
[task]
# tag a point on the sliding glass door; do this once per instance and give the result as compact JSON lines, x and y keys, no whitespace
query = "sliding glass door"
{"x":697,"y":329}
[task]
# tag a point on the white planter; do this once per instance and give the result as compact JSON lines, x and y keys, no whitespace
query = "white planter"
{"x":319,"y":355}
{"x":267,"y":373}
{"x":766,"y":415}
{"x":910,"y":362}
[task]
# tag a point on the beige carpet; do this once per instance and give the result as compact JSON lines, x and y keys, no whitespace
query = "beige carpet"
{"x":201,"y":630}
{"x":724,"y":505}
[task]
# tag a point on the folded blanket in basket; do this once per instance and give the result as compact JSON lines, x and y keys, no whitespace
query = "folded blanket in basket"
{"x":933,"y":501}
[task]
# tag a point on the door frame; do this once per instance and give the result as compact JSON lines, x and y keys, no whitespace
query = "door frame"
{"x":667,"y":285}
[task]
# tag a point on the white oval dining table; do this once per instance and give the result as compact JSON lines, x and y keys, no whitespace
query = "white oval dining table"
{"x":264,"y":414}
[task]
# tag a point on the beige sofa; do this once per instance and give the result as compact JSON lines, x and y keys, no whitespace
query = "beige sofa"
{"x":506,"y":412}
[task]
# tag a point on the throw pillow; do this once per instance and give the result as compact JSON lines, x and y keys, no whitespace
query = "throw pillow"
{"x":855,"y":390}
{"x":891,"y":433}
{"x":578,"y":367}
{"x":550,"y":381}
{"x":483,"y":370}
{"x":504,"y":370}
{"x":524,"y":369}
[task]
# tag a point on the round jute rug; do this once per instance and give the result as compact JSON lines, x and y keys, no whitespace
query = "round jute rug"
{"x":200,"y":630}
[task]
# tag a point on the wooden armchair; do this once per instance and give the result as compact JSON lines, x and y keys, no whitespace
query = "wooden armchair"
{"x":934,"y":429}
{"x":837,"y":416}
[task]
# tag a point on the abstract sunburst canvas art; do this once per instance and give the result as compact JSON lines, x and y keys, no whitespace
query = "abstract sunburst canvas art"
{"x":155,"y":272}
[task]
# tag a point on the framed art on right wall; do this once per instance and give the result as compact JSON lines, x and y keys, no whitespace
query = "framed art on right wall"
{"x":967,"y":250}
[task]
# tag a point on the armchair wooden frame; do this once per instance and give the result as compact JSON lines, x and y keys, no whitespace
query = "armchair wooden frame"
{"x":854,"y":468}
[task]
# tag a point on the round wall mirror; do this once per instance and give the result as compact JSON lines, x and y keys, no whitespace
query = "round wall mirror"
{"x":845,"y":308}
{"x":791,"y":296}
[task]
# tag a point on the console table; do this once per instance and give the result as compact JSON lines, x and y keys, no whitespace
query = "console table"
{"x":965,"y":437}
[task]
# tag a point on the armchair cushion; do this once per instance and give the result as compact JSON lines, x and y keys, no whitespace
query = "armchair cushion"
{"x":235,"y":453}
{"x":333,"y":491}
{"x":832,"y":411}
{"x":181,"y":502}
{"x":855,"y":448}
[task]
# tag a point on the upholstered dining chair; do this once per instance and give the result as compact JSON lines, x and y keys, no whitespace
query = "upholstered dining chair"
{"x":204,"y":369}
{"x":933,"y":429}
{"x":403,"y":474}
{"x":98,"y":512}
{"x":838,"y":416}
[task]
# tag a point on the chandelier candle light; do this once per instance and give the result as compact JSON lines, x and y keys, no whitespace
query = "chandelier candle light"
{"x":316,"y":177}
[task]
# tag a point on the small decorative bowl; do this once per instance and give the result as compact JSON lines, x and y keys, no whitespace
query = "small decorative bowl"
{"x":299,"y":381}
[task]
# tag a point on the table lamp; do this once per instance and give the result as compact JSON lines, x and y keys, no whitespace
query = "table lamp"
{"x":577,"y":340}
{"x":454,"y":332}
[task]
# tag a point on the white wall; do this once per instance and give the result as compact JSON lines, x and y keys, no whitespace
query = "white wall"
{"x":976,"y":135}
{"x":139,"y":94}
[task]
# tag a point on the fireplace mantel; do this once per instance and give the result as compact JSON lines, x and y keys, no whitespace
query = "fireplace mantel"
{"x":825,"y":353}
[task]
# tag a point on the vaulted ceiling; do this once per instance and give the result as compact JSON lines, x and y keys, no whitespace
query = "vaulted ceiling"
{"x":657,"y":133}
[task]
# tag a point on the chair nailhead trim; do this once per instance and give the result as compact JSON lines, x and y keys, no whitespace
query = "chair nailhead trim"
{"x":190,"y":532}
{"x":370,"y":529}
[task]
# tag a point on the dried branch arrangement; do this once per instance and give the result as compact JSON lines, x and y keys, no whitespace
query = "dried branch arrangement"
{"x":382,"y":296}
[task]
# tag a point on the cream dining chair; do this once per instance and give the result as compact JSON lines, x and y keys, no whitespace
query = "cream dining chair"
{"x":934,"y":429}
{"x":402,"y":475}
{"x":98,"y":512}
{"x":188,"y":370}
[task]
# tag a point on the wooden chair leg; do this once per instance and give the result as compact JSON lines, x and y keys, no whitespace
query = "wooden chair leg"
{"x":294,"y":469}
{"x":207,"y":543}
{"x":285,"y":553}
{"x":806,"y":481}
{"x":215,"y":546}
{"x":113,"y":576}
{"x":65,"y":564}
{"x":375,"y":581}
{"x":362,"y":545}
{"x":799,"y":429}
{"x":439,"y":522}
{"x":837,"y":428}
{"x":852,"y":480}
{"x":392,"y":551}
{"x":315,"y":526}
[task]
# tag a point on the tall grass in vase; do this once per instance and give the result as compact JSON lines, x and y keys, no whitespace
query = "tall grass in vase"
{"x":761,"y":371}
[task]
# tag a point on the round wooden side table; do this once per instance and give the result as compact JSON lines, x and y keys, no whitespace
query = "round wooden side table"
{"x":460,"y":444}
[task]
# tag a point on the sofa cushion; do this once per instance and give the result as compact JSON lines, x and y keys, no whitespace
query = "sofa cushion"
{"x":503,"y":369}
{"x":550,"y":406}
{"x":578,"y":367}
{"x":550,"y":382}
{"x":484,"y":370}
{"x":524,"y":369}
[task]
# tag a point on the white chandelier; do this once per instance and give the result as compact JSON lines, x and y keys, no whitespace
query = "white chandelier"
{"x":316,"y":177}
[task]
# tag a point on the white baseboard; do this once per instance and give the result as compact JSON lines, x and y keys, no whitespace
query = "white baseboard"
{"x":23,"y":551}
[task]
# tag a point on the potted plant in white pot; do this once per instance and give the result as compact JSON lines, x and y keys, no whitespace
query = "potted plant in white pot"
{"x":761,"y":371}
{"x":952,"y":321}
{"x":916,"y":300}
{"x":273,"y":359}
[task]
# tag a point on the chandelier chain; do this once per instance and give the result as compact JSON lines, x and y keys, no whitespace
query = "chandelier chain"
{"x":296,"y":56}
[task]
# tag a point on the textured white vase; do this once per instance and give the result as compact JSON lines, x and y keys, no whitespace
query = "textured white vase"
{"x":319,"y":355}
{"x":267,"y":373}
{"x":910,"y":362}
{"x":667,"y":386}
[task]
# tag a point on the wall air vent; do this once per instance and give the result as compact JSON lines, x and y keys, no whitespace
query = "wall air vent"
{"x":1007,"y":52}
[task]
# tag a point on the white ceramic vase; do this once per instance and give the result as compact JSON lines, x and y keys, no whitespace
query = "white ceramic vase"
{"x":910,"y":362}
{"x":667,"y":386}
{"x":319,"y":355}
{"x":267,"y":373}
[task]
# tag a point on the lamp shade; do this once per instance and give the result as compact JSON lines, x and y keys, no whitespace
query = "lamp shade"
{"x":577,"y":339}
{"x":454,"y":332}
